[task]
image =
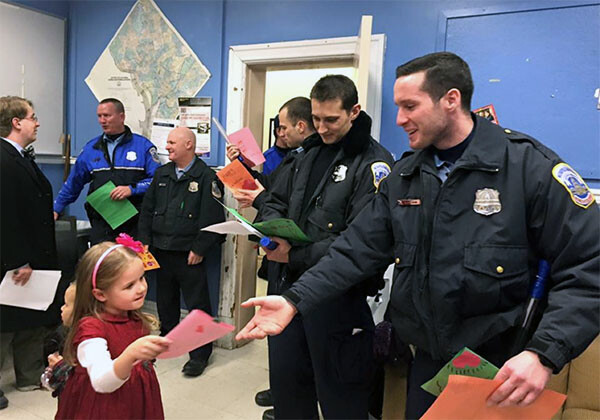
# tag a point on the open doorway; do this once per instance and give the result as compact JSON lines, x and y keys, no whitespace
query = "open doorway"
{"x":285,"y":82}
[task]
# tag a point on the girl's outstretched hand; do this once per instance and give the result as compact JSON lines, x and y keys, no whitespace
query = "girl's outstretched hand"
{"x":147,"y":347}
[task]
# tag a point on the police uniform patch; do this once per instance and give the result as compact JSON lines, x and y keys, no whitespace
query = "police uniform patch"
{"x":216,"y":190}
{"x":380,"y":171}
{"x":574,"y":184}
{"x":154,"y":154}
{"x":339,"y":173}
{"x":193,"y":187}
{"x":487,"y":202}
{"x":131,"y":156}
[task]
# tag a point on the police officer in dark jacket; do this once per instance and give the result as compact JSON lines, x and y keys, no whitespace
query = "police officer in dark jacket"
{"x":118,"y":155}
{"x":466,"y":219}
{"x":178,"y":204}
{"x":294,"y":127}
{"x":334,"y":177}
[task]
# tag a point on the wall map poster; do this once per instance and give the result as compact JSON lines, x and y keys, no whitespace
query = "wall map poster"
{"x":147,"y":65}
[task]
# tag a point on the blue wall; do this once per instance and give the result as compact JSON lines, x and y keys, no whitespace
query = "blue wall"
{"x":211,"y":27}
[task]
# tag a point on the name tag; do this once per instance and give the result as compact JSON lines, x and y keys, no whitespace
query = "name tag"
{"x":409,"y":202}
{"x":162,"y":184}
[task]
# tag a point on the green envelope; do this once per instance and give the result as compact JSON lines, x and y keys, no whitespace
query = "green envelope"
{"x":466,"y":363}
{"x":114,"y":212}
{"x":283,"y":228}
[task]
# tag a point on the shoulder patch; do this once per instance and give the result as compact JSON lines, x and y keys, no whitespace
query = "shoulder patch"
{"x":154,"y":153}
{"x":215,"y":190}
{"x":380,"y":171}
{"x":574,"y":184}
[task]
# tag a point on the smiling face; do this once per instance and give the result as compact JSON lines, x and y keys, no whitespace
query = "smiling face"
{"x":331,"y":121}
{"x":424,"y":120}
{"x":126,"y":293}
{"x":111,"y":120}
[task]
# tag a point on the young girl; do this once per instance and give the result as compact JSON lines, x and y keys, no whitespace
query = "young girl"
{"x":108,"y":339}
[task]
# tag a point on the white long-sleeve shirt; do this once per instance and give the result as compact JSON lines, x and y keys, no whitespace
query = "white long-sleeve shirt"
{"x":93,"y":355}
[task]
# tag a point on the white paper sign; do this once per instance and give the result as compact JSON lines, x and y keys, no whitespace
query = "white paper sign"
{"x":38,"y":293}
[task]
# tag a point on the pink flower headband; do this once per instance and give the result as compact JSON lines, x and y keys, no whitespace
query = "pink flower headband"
{"x":122,"y":240}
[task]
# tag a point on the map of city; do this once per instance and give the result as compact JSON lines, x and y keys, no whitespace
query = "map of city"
{"x":147,"y":65}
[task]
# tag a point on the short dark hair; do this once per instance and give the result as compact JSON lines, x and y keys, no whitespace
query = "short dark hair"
{"x":335,"y":86}
{"x":118,"y":104}
{"x":299,"y":108}
{"x":12,"y":107}
{"x":443,"y":71}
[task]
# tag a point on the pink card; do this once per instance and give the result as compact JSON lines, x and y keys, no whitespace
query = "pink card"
{"x":248,"y":147}
{"x":196,"y":329}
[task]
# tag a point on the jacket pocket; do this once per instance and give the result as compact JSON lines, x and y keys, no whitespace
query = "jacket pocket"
{"x":497,"y":277}
{"x":327,"y":221}
{"x":404,"y":255}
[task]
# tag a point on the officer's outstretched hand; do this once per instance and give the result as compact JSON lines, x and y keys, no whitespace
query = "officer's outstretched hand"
{"x":273,"y":315}
{"x":524,"y":379}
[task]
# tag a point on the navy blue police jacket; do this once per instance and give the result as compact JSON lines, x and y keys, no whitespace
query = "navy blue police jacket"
{"x":174,"y":210}
{"x":348,"y":185}
{"x":133,"y":163}
{"x":466,"y":251}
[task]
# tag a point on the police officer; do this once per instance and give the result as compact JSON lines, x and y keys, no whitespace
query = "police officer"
{"x":295,"y":127}
{"x":465,"y":219}
{"x":118,"y":155}
{"x":330,"y":182}
{"x":178,"y":204}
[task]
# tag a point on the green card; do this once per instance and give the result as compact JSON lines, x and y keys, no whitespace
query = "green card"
{"x":114,"y":212}
{"x":466,"y":363}
{"x":283,"y":228}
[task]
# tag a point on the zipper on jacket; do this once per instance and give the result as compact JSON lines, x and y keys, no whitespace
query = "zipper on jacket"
{"x":451,"y":176}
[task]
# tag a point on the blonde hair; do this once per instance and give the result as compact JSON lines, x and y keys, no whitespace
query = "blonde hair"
{"x":111,"y":268}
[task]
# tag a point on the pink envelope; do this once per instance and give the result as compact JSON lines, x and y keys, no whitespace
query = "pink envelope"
{"x":249,"y":149}
{"x":196,"y":329}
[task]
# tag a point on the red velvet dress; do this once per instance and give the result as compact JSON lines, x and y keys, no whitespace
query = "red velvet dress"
{"x":138,"y":398}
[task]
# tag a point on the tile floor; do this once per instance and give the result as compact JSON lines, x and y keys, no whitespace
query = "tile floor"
{"x":225,"y":390}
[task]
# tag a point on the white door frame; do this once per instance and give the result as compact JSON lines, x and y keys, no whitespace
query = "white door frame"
{"x":242,"y":56}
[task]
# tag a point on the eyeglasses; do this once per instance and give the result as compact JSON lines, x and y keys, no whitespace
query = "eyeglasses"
{"x":33,"y":118}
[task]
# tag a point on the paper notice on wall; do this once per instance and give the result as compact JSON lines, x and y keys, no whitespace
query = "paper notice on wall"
{"x":195,"y":113}
{"x":160,"y":131}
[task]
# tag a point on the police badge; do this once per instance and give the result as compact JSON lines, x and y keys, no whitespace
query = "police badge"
{"x":131,"y":156}
{"x":487,"y":202}
{"x":339,"y":173}
{"x":193,"y":187}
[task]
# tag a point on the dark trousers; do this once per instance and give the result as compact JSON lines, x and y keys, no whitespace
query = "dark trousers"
{"x":173,"y":277}
{"x":318,"y":358}
{"x":28,"y":357}
{"x":423,"y":368}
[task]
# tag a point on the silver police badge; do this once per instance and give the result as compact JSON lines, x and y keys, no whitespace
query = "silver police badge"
{"x":339,"y":174}
{"x":131,"y":156}
{"x":193,"y":187}
{"x":487,"y":202}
